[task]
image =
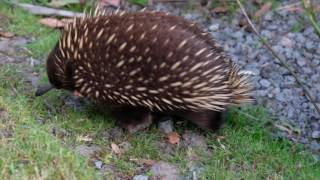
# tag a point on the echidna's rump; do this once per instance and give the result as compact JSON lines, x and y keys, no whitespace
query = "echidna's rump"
{"x":145,"y":59}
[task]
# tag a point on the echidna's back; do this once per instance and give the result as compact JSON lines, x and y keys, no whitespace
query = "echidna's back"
{"x":148,"y":59}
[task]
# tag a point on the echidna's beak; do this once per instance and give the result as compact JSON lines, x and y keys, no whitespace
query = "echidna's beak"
{"x":43,"y":89}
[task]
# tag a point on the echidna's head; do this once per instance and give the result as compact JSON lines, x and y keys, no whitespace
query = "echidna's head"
{"x":60,"y":70}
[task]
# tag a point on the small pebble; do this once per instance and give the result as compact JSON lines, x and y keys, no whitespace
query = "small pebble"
{"x":124,"y":146}
{"x":238,"y":35}
{"x":300,"y":38}
{"x":309,"y":45}
{"x":287,"y":42}
{"x":194,"y":139}
{"x":98,"y":164}
{"x":265,"y":83}
{"x":267,"y":34}
{"x":165,"y":171}
{"x":315,"y":134}
{"x":166,"y":126}
{"x":268,"y":16}
{"x":88,"y":151}
{"x":315,"y":146}
{"x":301,"y":62}
{"x":214,"y":27}
{"x":140,"y":177}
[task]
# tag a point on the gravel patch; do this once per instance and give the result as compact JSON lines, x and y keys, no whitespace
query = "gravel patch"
{"x":275,"y":88}
{"x":163,"y":170}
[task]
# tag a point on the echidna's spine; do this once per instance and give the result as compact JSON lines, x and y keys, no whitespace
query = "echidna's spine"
{"x":148,"y":59}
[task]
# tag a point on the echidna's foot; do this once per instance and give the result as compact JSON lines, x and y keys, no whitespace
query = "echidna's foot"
{"x":209,"y":120}
{"x":133,"y":119}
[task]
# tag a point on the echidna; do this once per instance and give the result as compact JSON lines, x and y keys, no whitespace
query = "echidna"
{"x":144,"y":63}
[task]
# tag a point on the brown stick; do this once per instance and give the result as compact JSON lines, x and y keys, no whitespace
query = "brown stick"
{"x":310,"y":97}
{"x":40,"y":10}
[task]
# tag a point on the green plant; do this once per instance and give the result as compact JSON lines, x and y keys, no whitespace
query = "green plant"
{"x":139,"y":2}
{"x":308,"y":6}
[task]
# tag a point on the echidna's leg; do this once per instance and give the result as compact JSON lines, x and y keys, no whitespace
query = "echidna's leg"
{"x":133,"y":119}
{"x":209,"y":120}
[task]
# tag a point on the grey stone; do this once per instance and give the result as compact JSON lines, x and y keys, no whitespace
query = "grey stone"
{"x":98,"y":164}
{"x":214,"y":27}
{"x":301,"y":62}
{"x":315,"y":77}
{"x":287,"y":42}
{"x":314,"y":145}
{"x":300,"y":38}
{"x":290,"y":80}
{"x":124,"y":146}
{"x":88,"y":151}
{"x":309,"y":45}
{"x":140,"y":177}
{"x":290,"y":112}
{"x":315,"y":134}
{"x":238,"y":35}
{"x":309,"y":31}
{"x":261,"y":93}
{"x":166,"y":126}
{"x":194,"y":172}
{"x":268,"y":16}
{"x":272,"y":27}
{"x":163,"y":170}
{"x":4,"y":115}
{"x":280,"y":97}
{"x":265,"y":83}
{"x":307,"y":71}
{"x":266,"y":33}
{"x":270,"y":95}
{"x":194,"y":139}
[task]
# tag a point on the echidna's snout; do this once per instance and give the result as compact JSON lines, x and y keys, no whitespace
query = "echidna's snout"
{"x":41,"y":90}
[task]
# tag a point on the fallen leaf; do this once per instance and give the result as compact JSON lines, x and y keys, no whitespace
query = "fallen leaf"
{"x":6,"y":34}
{"x":173,"y":138}
{"x":115,"y":3}
{"x":35,"y":74}
{"x":220,"y":9}
{"x":52,"y":22}
{"x":115,"y":148}
{"x":264,"y":9}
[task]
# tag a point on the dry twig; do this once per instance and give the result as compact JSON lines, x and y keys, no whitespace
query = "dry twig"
{"x":282,"y":62}
{"x":40,"y":10}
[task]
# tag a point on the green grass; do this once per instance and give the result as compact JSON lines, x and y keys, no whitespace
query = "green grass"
{"x":244,"y":149}
{"x":139,"y":2}
{"x":251,"y":153}
{"x":232,"y":6}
